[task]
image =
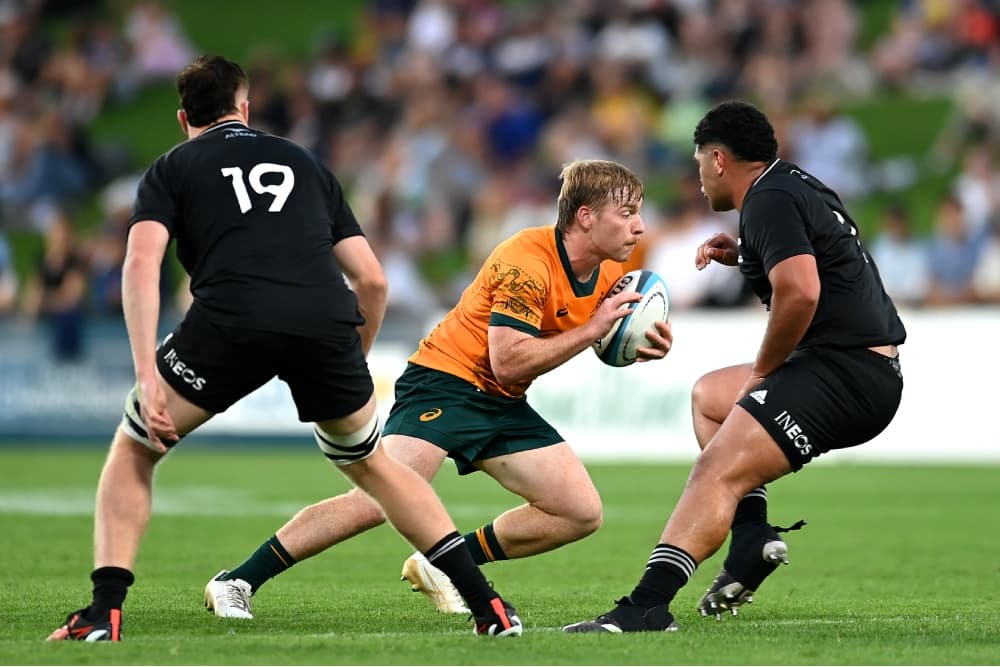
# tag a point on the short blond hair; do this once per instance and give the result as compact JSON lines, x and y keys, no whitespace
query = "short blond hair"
{"x":594,"y":183}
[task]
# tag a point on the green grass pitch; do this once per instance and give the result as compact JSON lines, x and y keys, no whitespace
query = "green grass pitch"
{"x":899,"y":565}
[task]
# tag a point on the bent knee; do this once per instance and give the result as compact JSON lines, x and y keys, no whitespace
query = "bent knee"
{"x":583,"y":517}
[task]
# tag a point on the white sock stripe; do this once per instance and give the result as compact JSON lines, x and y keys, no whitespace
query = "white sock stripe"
{"x":685,"y":567}
{"x":759,"y":492}
{"x":663,"y":551}
{"x":673,"y":556}
{"x":445,"y":548}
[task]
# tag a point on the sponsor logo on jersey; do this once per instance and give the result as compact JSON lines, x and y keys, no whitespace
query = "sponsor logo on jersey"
{"x":794,"y":432}
{"x":759,"y":395}
{"x":562,"y":312}
{"x":431,"y":415}
{"x":183,"y":371}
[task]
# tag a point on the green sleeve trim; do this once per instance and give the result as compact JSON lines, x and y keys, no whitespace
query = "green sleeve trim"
{"x":498,"y":320}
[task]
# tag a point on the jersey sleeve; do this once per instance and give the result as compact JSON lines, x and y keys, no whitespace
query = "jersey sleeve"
{"x":345,"y":224}
{"x":155,"y":199}
{"x":520,"y":288}
{"x":773,"y":227}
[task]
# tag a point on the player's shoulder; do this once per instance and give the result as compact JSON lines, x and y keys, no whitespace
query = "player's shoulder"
{"x":534,"y":246}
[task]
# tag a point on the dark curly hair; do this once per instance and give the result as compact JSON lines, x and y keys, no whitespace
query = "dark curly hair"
{"x":207,"y":88}
{"x":742,"y":128}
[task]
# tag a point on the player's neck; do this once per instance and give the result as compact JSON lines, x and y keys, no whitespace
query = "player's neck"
{"x":582,"y":258}
{"x":746,"y":180}
{"x":198,"y":131}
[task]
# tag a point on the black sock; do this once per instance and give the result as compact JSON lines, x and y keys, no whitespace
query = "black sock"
{"x":451,"y":556}
{"x":484,"y":546}
{"x":270,"y":560}
{"x":667,"y":570}
{"x":752,"y":508}
{"x":110,"y":587}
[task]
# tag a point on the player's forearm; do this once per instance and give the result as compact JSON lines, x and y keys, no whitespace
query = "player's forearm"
{"x":791,"y":315}
{"x":141,"y":307}
{"x":372,"y":297}
{"x":528,"y":358}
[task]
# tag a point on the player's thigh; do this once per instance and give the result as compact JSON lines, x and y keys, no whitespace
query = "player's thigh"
{"x":212,"y":366}
{"x":714,"y":393}
{"x":416,"y":453}
{"x":329,"y":380}
{"x":824,"y":398}
{"x":186,"y":415}
{"x":447,"y":412}
{"x":741,"y":455}
{"x":552,"y":478}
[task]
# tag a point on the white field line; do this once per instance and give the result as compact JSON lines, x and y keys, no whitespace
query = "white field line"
{"x":209,"y":502}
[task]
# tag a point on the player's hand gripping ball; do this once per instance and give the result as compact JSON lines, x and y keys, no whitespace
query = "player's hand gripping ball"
{"x":618,"y":348}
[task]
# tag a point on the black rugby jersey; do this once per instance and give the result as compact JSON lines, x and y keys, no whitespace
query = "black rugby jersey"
{"x":788,"y":212}
{"x":255,"y":217}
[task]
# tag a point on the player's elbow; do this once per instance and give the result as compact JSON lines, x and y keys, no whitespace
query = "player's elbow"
{"x":504,"y":374}
{"x":505,"y":370}
{"x":372,"y":284}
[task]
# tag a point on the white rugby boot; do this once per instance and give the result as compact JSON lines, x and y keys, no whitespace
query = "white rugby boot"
{"x":435,"y":584}
{"x":228,"y":598}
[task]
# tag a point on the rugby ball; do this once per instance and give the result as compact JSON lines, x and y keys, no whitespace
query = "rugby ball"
{"x":618,"y":348}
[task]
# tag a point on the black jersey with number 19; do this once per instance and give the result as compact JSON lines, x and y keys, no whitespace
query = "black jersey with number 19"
{"x":255,"y":217}
{"x":788,"y":212}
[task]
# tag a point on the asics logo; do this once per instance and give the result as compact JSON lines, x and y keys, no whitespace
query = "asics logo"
{"x":430,"y":415}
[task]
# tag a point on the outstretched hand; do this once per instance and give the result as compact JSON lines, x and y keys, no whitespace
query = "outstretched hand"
{"x":721,"y":248}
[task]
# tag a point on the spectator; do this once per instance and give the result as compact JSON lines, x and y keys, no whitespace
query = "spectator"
{"x":986,"y":277}
{"x":831,"y":146}
{"x":57,"y":290}
{"x":952,"y":255}
{"x":8,"y":277}
{"x":901,"y":257}
{"x":160,"y":48}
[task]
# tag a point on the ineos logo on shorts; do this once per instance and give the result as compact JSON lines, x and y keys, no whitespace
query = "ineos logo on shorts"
{"x":183,"y":371}
{"x":794,"y":432}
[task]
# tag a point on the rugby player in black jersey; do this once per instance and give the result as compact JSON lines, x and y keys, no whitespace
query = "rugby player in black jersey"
{"x":826,"y":375}
{"x":265,"y":233}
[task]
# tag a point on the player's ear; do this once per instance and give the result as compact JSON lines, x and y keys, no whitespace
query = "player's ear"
{"x":182,"y":119}
{"x":718,"y":161}
{"x":244,"y":111}
{"x":585,"y":217}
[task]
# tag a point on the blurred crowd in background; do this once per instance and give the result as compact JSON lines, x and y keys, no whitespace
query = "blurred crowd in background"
{"x":447,"y":122}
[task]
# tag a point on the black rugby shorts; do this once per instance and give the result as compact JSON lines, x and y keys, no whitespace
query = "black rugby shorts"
{"x":213,"y":366}
{"x":826,"y":398}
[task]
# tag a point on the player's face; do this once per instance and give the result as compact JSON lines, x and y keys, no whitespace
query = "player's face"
{"x":617,"y":228}
{"x":711,"y":164}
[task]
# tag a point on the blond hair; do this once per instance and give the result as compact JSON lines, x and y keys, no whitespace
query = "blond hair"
{"x":593,"y":183}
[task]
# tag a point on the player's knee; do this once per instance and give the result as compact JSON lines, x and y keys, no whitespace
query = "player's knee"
{"x":133,"y":426}
{"x":345,"y":449}
{"x":704,"y":396}
{"x":367,"y":511}
{"x":584,"y":516}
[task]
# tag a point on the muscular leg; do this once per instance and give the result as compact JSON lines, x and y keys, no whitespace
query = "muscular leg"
{"x":414,"y":509}
{"x":124,"y":493}
{"x":741,"y":457}
{"x":331,"y":521}
{"x":713,"y":397}
{"x":563,"y":505}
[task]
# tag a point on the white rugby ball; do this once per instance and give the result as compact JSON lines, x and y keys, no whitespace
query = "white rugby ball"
{"x":618,"y":348}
